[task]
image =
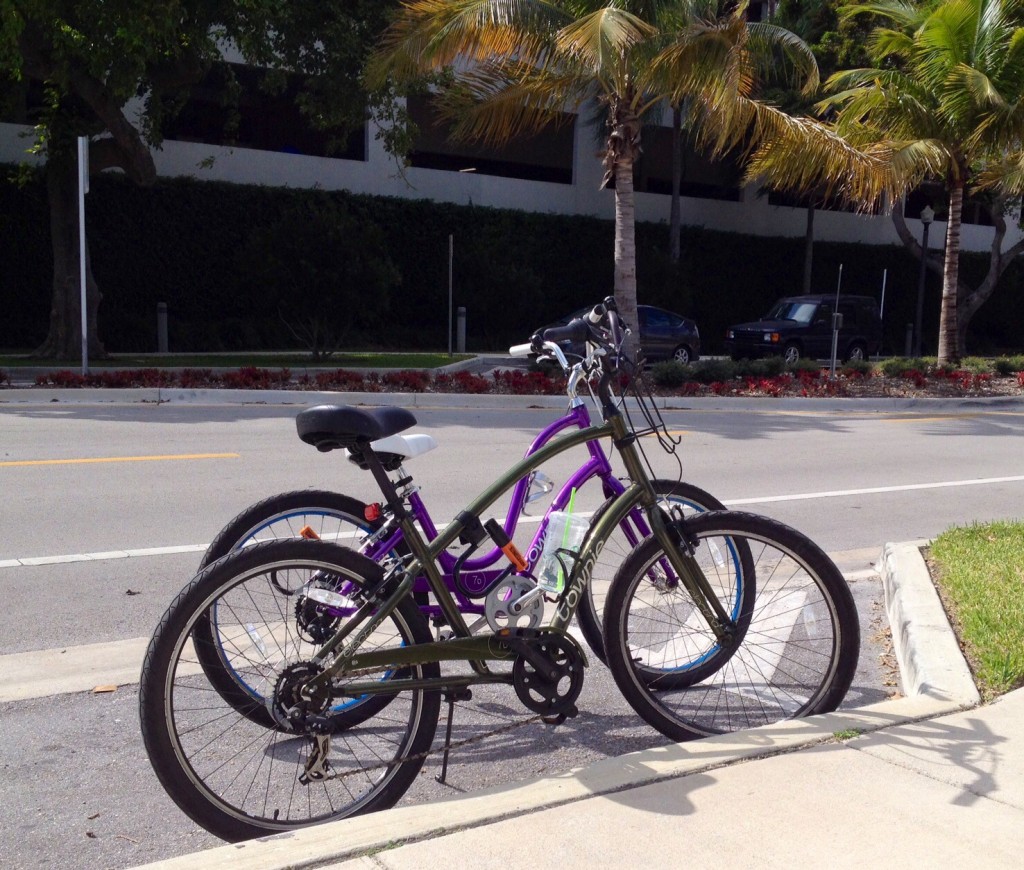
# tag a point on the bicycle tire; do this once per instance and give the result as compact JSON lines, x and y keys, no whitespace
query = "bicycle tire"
{"x":798,"y":656}
{"x":625,"y":538}
{"x":333,"y":517}
{"x":237,"y":778}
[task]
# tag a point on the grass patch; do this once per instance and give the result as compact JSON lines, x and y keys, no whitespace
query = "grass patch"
{"x":848,"y":734}
{"x":979,"y":572}
{"x":367,"y":360}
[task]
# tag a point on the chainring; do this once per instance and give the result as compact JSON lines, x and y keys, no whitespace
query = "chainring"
{"x":554,"y":690}
{"x":501,"y":599}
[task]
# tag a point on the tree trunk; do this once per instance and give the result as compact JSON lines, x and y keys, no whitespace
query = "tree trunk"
{"x":809,"y":249}
{"x":64,"y":341}
{"x":625,"y":248}
{"x":674,"y":211}
{"x":949,"y":350}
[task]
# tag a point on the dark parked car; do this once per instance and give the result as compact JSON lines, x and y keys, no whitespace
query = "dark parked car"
{"x":801,"y":326}
{"x":663,"y":335}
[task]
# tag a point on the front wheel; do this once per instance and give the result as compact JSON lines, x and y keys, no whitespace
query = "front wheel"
{"x":239,"y":778}
{"x":792,"y":353}
{"x":857,"y":352}
{"x":628,"y":534}
{"x":802,"y":635}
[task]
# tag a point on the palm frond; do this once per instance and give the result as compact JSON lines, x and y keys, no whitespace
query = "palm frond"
{"x":495,"y":102}
{"x":1005,"y":175}
{"x":430,"y":35}
{"x":800,"y":154}
{"x":600,"y":41}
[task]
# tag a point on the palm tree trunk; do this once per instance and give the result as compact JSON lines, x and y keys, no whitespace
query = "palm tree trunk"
{"x":625,"y":246}
{"x":949,"y":350}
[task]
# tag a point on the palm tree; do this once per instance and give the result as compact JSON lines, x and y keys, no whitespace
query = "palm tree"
{"x":517,"y":65}
{"x":944,"y":100}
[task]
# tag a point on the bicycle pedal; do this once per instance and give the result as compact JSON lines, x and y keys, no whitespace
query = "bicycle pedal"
{"x":571,"y":713}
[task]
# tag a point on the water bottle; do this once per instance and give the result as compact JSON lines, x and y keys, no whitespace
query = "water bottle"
{"x":564,"y":533}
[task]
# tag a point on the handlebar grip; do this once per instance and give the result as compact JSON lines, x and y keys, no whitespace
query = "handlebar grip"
{"x":576,"y":330}
{"x":520,"y":349}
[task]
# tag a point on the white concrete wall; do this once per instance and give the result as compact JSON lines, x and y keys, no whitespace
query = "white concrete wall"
{"x":380,"y":175}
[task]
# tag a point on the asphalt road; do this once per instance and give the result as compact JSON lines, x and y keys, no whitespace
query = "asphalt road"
{"x":106,"y":510}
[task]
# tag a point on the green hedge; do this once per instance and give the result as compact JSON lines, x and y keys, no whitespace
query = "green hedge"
{"x":241,"y":266}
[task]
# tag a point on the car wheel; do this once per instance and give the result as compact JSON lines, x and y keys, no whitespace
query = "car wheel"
{"x":857,"y":352}
{"x":792,"y":353}
{"x":681,"y":354}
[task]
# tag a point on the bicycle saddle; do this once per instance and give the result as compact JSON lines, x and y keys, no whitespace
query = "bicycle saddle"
{"x":330,"y":427}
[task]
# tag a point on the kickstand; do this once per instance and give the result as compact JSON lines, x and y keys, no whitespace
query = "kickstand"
{"x":451,"y":697}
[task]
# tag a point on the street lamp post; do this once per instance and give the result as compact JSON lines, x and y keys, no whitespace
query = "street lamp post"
{"x":927,"y":216}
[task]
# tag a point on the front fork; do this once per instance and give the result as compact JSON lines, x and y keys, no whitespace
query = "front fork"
{"x":677,"y":548}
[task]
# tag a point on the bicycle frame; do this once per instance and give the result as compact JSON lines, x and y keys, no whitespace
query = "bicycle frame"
{"x":477,"y":575}
{"x":341,"y":653}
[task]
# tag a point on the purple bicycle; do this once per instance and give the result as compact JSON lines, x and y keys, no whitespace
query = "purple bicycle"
{"x":480,"y":584}
{"x":476,"y":582}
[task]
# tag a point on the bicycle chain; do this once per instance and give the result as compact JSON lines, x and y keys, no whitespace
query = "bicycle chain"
{"x":319,"y":753}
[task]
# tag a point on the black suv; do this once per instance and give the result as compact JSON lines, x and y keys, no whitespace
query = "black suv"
{"x":801,"y":326}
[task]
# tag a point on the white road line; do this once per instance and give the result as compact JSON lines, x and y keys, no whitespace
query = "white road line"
{"x":767,"y":499}
{"x":874,"y":490}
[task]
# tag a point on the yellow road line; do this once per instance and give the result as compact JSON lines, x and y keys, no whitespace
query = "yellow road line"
{"x":932,"y":419}
{"x":121,"y":459}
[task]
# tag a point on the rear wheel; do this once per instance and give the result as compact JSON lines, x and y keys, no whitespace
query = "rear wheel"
{"x":798,"y":652}
{"x":316,"y":514}
{"x":239,"y":778}
{"x":330,"y":516}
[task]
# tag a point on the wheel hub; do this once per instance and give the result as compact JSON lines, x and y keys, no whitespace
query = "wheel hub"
{"x":293,"y":707}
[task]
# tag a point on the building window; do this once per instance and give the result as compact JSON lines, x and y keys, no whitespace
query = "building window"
{"x":702,"y":177}
{"x":543,"y":156}
{"x":808,"y":200}
{"x":228,"y":107}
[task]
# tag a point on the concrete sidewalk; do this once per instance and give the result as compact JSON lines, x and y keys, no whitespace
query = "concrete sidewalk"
{"x":928,"y":779}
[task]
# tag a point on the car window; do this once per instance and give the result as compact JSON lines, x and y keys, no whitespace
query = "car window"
{"x":659,"y":319}
{"x":801,"y":312}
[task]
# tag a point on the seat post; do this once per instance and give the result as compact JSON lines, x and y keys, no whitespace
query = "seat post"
{"x":384,"y":482}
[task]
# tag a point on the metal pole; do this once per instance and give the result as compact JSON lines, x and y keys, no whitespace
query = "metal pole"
{"x":451,"y":250}
{"x":881,"y":310}
{"x":926,"y":221}
{"x":83,"y":189}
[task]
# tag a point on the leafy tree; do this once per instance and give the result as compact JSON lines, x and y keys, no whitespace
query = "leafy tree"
{"x":94,"y":59}
{"x":945,"y":100}
{"x":295,"y":264}
{"x":517,"y":65}
{"x":838,"y":44}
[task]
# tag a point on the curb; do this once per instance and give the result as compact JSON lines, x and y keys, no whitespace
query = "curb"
{"x":478,"y":401}
{"x":929,"y":657}
{"x":936,"y":681}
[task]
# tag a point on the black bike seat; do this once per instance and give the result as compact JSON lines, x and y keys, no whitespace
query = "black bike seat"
{"x":330,"y":427}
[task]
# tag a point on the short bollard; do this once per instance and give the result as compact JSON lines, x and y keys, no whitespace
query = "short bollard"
{"x":161,"y":327}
